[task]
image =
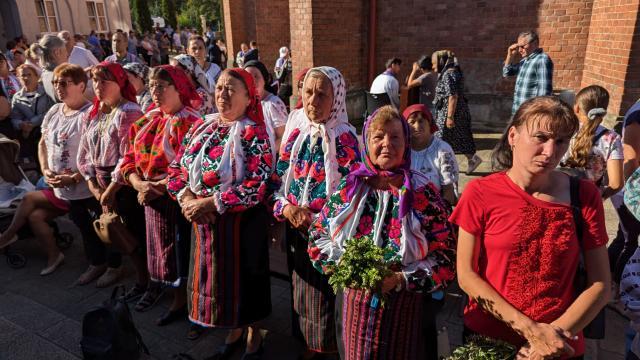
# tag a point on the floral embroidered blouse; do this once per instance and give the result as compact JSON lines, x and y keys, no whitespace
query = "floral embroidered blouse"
{"x":154,"y":141}
{"x":230,"y":162}
{"x":105,"y":140}
{"x":427,"y":260}
{"x":309,"y":170}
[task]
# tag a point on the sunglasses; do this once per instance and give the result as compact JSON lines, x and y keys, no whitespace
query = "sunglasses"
{"x":62,"y":83}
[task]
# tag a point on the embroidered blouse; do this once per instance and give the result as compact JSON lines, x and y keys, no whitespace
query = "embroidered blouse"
{"x":308,"y":186}
{"x":420,"y":245}
{"x":154,"y":141}
{"x":437,"y":162}
{"x":230,"y":162}
{"x":105,"y":140}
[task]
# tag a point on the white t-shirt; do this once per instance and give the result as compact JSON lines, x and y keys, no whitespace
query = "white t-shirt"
{"x":386,"y":83}
{"x":82,"y":57}
{"x":275,"y":116}
{"x":437,"y":162}
{"x":62,"y":135}
{"x":213,"y":73}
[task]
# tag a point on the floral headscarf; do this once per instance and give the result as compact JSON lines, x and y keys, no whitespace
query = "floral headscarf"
{"x":336,"y":125}
{"x":367,"y":169}
{"x":426,"y":113}
{"x":188,"y":94}
{"x":193,"y":68}
{"x":139,"y":70}
{"x":126,"y":88}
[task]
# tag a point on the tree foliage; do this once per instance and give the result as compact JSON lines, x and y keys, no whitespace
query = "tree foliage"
{"x":169,"y":13}
{"x":140,"y":15}
{"x":176,"y":12}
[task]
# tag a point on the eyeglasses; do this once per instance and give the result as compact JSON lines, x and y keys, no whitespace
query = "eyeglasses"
{"x":524,"y":45}
{"x":62,"y":83}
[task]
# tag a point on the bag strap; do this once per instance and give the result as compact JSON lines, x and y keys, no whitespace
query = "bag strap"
{"x":576,"y":207}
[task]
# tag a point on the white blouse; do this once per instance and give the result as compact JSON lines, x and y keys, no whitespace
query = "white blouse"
{"x":437,"y":162}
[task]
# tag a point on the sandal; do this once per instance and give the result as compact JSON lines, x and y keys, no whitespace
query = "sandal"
{"x":134,"y":293}
{"x":150,"y":298}
{"x":109,"y":277}
{"x":92,"y":273}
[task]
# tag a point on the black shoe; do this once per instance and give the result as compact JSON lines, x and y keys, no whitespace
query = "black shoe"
{"x":171,"y":316}
{"x":195,"y":331}
{"x":256,"y":355}
{"x":227,"y":350}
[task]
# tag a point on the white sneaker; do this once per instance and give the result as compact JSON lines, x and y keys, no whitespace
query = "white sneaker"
{"x":473,"y":164}
{"x":50,"y":269}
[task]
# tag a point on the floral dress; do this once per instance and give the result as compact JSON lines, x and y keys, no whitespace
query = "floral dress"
{"x":426,"y":260}
{"x":154,"y":141}
{"x":228,"y":283}
{"x":459,"y":137}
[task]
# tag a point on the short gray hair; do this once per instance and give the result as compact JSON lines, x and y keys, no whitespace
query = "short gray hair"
{"x":531,"y":35}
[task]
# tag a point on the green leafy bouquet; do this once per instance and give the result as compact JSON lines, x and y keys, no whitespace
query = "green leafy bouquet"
{"x":484,"y":348}
{"x":362,"y":266}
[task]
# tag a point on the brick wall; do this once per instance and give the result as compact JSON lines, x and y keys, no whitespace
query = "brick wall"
{"x":609,"y":50}
{"x":272,"y":29}
{"x":302,"y":45}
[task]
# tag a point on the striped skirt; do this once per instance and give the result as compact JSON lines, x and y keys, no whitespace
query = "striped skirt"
{"x":313,"y":297}
{"x":229,"y":284}
{"x":370,"y":330}
{"x":168,"y":236}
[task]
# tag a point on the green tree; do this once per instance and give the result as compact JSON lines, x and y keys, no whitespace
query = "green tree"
{"x":140,"y":15}
{"x":191,"y":10}
{"x":169,"y":13}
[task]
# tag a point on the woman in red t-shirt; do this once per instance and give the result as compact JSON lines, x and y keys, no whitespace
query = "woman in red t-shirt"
{"x":517,"y":248}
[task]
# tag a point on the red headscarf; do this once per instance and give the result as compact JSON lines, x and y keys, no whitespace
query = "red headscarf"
{"x":301,"y":75}
{"x":425,"y":112}
{"x":126,"y":88}
{"x":188,"y":94}
{"x":254,"y":110}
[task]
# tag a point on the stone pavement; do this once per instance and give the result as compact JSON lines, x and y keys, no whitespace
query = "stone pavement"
{"x":40,"y":317}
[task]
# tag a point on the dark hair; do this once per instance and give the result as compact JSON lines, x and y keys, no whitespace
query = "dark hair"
{"x":263,"y":70}
{"x":158,"y":73}
{"x":393,"y":61}
{"x":234,"y":75}
{"x":196,"y":37}
{"x":253,"y":43}
{"x":11,"y":44}
{"x":425,"y":62}
{"x":561,"y":121}
{"x":101,"y":72}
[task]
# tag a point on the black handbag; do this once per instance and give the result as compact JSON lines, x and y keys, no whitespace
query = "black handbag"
{"x":595,"y":329}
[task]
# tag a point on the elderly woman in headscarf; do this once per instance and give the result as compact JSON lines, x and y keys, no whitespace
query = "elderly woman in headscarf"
{"x":154,"y":141}
{"x":105,"y":138}
{"x":220,"y":181}
{"x":199,"y":79}
{"x":452,"y":111}
{"x":274,"y":110}
{"x":320,"y":146}
{"x":399,"y":211}
{"x":139,"y":77}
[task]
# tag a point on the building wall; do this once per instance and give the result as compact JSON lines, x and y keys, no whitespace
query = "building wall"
{"x":272,"y":29}
{"x":612,"y":52}
{"x":73,"y":16}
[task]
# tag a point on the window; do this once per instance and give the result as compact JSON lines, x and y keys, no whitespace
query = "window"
{"x":47,"y":19}
{"x":97,"y":15}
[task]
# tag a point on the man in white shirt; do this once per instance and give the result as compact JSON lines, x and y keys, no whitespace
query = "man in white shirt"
{"x":77,"y":55}
{"x":387,"y":82}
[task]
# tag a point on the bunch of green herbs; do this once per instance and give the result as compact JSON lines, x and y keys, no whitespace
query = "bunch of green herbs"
{"x":362,"y":266}
{"x":484,"y":348}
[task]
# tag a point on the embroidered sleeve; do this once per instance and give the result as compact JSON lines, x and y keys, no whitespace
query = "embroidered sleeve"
{"x":347,"y":152}
{"x":178,"y":176}
{"x":85,"y":165}
{"x":323,"y":251}
{"x":277,"y":178}
{"x":510,"y":70}
{"x":437,"y":269}
{"x":125,"y":120}
{"x":447,"y":167}
{"x":278,"y":113}
{"x":128,"y":164}
{"x":258,"y":162}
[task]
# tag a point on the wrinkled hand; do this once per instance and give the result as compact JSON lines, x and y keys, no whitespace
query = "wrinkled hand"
{"x":450,"y":123}
{"x":148,"y":191}
{"x":95,"y":190}
{"x":513,"y":49}
{"x":60,"y":181}
{"x":391,"y":282}
{"x":108,"y":199}
{"x":547,"y":341}
{"x":201,"y":211}
{"x":299,"y":217}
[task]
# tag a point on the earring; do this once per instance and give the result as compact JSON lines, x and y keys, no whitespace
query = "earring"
{"x":512,"y":147}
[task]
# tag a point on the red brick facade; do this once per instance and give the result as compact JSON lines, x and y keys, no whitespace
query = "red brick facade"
{"x":589,"y":41}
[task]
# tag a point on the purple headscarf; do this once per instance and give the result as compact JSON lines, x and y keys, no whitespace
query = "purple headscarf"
{"x":367,"y":169}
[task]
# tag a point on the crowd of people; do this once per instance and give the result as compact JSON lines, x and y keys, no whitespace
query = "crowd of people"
{"x":216,"y":164}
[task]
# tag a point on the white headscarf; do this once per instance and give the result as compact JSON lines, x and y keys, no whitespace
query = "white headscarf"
{"x":336,"y":125}
{"x":191,"y":64}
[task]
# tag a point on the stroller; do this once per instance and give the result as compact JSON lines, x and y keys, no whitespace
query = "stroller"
{"x":14,"y":184}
